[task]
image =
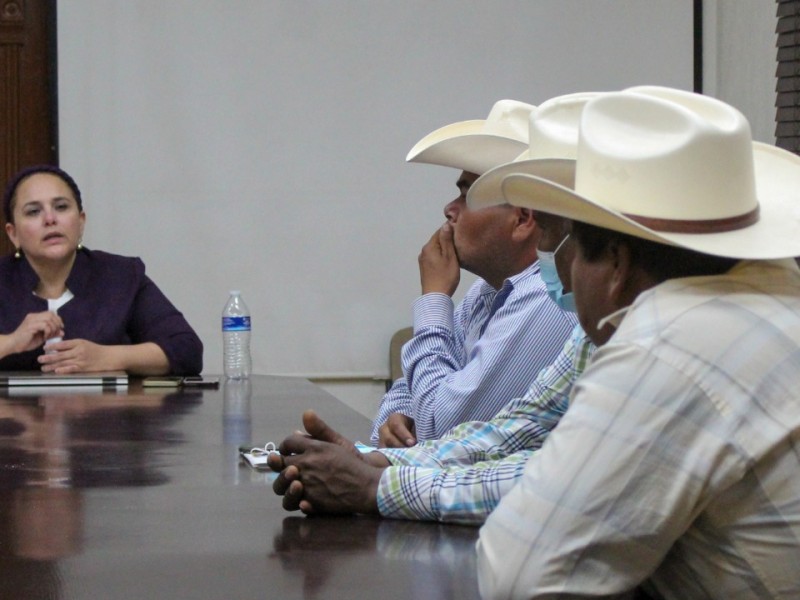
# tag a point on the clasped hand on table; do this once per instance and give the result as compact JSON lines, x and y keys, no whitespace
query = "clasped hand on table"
{"x":321,"y":471}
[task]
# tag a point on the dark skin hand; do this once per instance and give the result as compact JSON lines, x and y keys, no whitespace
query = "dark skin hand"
{"x":397,"y":432}
{"x":323,"y":472}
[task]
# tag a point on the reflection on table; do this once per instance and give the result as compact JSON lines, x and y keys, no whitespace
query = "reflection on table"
{"x":136,"y":493}
{"x":331,"y":552}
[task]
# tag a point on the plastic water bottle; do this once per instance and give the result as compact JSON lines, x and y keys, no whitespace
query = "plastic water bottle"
{"x":236,"y":337}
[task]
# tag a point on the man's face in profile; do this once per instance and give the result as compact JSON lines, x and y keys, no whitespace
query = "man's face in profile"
{"x":480,"y":236}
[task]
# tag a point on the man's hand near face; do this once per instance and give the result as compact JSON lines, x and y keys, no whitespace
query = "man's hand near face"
{"x":439,"y":270}
{"x":323,"y":472}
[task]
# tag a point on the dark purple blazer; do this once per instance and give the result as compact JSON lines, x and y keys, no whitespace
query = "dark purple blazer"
{"x":114,"y":303}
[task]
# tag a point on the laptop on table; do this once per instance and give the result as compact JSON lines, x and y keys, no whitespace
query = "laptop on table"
{"x":40,"y":379}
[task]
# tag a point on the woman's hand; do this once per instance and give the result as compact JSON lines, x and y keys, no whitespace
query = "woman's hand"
{"x":35,"y":329}
{"x":76,"y":356}
{"x":83,"y":356}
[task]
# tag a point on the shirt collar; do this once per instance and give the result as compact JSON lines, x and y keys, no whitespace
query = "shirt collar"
{"x":512,"y":281}
{"x":615,"y":318}
{"x":79,"y":274}
{"x":29,"y":277}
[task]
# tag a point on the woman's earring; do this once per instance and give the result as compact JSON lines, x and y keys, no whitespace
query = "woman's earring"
{"x":17,"y":254}
{"x":80,"y":243}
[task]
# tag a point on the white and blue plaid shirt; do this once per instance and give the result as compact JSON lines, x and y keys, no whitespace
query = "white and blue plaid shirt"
{"x":678,"y":462}
{"x":461,"y":477}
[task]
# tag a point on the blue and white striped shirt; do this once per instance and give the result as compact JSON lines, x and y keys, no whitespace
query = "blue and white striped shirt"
{"x":464,"y":364}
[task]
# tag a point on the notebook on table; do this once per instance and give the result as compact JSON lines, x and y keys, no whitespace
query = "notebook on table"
{"x":39,"y":379}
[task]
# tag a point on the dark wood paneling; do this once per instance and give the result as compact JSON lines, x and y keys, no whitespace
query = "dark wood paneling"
{"x":27,"y":87}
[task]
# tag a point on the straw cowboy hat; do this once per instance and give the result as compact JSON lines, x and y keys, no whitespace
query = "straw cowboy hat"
{"x":477,"y":146}
{"x":553,"y":145}
{"x":675,"y":168}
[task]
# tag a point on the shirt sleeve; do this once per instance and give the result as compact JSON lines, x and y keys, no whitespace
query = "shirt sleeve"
{"x":463,"y":495}
{"x":399,"y":398}
{"x":465,"y":364}
{"x":396,"y":400}
{"x":155,"y":319}
{"x":461,"y":477}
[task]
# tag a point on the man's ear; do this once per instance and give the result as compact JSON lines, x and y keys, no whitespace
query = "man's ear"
{"x":524,"y":224}
{"x":620,"y":283}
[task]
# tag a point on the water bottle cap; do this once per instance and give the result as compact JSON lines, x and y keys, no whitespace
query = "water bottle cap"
{"x":235,"y":292}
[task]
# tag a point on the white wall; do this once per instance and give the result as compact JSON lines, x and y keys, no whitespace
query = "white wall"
{"x":739,"y":59}
{"x":260,"y":144}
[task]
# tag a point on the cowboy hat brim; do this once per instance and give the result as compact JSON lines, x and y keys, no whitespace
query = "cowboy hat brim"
{"x":467,"y":147}
{"x":487,"y":189}
{"x":776,"y":233}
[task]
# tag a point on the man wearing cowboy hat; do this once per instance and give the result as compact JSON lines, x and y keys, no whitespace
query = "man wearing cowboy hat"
{"x":676,"y":467}
{"x":464,"y":363}
{"x":460,"y":477}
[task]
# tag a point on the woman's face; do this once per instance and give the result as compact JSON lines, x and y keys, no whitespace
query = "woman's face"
{"x":47,"y":222}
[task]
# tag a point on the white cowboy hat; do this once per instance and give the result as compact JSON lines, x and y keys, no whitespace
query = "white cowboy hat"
{"x":477,"y":146}
{"x":553,"y":145}
{"x":675,"y":168}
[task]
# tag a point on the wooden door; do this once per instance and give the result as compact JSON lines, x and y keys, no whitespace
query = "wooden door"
{"x":28,"y":109}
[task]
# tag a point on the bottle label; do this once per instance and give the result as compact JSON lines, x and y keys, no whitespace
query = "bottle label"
{"x":235,"y":323}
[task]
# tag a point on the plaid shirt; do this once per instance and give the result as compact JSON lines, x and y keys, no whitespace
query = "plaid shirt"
{"x":677,"y":462}
{"x":461,"y":477}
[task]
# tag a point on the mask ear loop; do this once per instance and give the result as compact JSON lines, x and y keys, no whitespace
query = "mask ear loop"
{"x":269,"y":448}
{"x":566,"y":237}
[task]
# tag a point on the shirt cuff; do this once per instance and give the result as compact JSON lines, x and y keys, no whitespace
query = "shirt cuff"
{"x":405,"y":493}
{"x":433,"y":310}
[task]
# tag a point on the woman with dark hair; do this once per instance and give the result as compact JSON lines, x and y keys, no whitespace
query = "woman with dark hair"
{"x":67,"y":309}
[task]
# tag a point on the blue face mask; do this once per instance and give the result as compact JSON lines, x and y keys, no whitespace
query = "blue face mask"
{"x":549,"y":274}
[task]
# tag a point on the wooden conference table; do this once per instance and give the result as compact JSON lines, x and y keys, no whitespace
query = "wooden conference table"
{"x":140,"y":493}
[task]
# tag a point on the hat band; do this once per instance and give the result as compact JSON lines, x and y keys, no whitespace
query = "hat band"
{"x":697,"y":225}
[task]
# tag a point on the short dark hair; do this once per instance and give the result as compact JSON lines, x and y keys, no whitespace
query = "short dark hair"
{"x":13,"y":184}
{"x":660,"y":261}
